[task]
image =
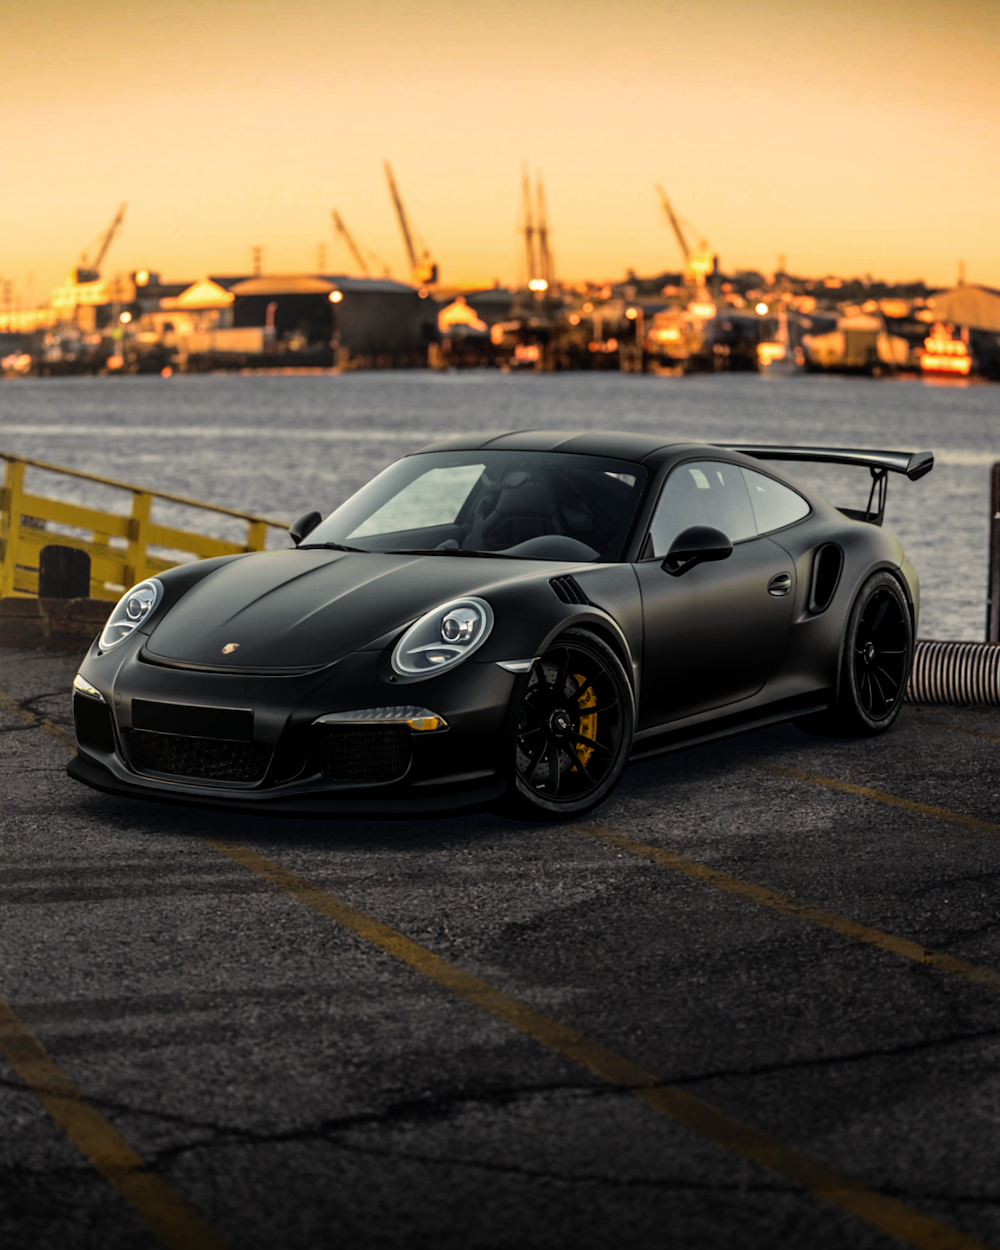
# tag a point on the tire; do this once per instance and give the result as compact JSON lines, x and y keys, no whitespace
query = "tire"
{"x":875,"y":664}
{"x":573,"y":728}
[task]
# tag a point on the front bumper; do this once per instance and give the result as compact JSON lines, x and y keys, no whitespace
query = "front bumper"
{"x":458,"y":769}
{"x":321,"y":805}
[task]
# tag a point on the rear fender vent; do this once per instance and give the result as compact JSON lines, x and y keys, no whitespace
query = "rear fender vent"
{"x":568,"y":589}
{"x":827,"y":566}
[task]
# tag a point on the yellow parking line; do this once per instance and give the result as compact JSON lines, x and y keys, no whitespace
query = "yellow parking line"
{"x":974,"y":973}
{"x":931,"y":713}
{"x":886,"y":1214}
{"x":973,"y":733}
{"x":880,"y":796}
{"x":64,"y":737}
{"x":152,"y":1199}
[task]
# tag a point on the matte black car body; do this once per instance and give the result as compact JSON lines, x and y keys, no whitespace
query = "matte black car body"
{"x":707,"y":654}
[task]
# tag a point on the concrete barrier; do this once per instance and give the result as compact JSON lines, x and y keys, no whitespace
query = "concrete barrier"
{"x":955,"y":672}
{"x":52,"y":624}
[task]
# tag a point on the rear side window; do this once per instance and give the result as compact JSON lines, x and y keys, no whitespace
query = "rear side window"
{"x":707,"y":493}
{"x":774,"y":505}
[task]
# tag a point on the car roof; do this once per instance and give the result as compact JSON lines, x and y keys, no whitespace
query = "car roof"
{"x":615,"y":444}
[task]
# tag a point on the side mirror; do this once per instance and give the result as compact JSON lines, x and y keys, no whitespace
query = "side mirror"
{"x":304,"y":526}
{"x":698,"y":544}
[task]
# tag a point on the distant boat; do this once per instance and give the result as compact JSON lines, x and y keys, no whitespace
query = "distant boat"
{"x":777,"y":357}
{"x":944,"y":355}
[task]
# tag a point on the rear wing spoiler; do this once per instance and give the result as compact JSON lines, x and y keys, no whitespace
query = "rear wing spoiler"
{"x":915,"y":464}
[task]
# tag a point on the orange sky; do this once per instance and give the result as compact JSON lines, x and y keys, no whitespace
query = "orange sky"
{"x":851,"y":137}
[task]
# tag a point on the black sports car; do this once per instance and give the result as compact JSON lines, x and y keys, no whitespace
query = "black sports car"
{"x":504,"y":622}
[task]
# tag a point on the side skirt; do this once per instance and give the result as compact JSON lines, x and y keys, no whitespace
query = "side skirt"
{"x":725,"y":727}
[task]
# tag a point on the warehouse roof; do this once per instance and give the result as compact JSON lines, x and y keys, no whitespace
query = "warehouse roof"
{"x":975,"y":306}
{"x":318,"y":284}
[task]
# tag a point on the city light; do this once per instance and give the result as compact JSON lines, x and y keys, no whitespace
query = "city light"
{"x":538,"y":284}
{"x":761,"y":309}
{"x":943,"y":354}
{"x":125,"y":317}
{"x":141,"y":277}
{"x":336,"y":296}
{"x":631,"y":313}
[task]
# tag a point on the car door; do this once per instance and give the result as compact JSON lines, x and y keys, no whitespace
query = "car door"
{"x":713,"y":634}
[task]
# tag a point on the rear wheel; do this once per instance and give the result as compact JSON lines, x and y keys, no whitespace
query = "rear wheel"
{"x":573,"y":735}
{"x":875,"y":666}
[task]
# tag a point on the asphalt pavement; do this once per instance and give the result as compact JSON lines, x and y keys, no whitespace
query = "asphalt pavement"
{"x":754,"y":1001}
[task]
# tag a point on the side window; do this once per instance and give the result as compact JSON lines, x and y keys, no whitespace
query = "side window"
{"x":774,"y":505}
{"x":707,"y":493}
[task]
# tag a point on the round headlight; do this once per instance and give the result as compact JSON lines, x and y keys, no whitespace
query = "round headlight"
{"x":443,"y":638}
{"x":134,"y":607}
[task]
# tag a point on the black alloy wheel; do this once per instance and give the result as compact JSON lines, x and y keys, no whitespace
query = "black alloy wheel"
{"x":876,"y":663}
{"x":881,"y":652}
{"x":574,"y":730}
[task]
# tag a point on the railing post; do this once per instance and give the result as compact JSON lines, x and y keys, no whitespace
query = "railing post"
{"x":993,"y":586}
{"x":256,"y":536}
{"x":10,"y":524}
{"x":138,"y":538}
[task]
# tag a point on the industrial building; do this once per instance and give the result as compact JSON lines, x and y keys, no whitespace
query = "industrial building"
{"x":302,"y":316}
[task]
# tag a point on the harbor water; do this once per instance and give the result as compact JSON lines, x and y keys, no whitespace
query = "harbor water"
{"x":284,"y":445}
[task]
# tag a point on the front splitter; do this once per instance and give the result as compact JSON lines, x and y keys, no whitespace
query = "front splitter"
{"x":316,"y":807}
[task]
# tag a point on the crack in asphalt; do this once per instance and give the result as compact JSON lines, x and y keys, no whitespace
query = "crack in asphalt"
{"x":97,"y":894}
{"x":827,"y":1061}
{"x":986,"y":877}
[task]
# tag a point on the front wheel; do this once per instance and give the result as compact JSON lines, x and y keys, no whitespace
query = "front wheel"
{"x":574,"y":728}
{"x":875,"y":666}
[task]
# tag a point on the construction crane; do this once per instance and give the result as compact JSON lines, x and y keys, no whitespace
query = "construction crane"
{"x":348,"y":238}
{"x":91,"y":272}
{"x":675,"y":225}
{"x":701,"y":263}
{"x":424,"y":270}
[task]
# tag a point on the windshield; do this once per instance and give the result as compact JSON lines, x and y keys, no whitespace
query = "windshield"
{"x":526,"y":504}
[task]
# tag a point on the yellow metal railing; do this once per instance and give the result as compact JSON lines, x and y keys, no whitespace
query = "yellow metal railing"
{"x":118,"y":545}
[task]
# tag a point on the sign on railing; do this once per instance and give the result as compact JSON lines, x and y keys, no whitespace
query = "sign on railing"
{"x":123,"y":547}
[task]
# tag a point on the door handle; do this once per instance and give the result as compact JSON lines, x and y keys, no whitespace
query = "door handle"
{"x":780,"y":584}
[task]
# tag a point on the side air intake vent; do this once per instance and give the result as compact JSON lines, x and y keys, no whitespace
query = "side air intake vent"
{"x":827,"y":566}
{"x":568,"y":589}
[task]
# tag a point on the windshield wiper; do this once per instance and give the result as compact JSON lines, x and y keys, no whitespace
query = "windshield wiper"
{"x":331,"y":547}
{"x":447,"y":551}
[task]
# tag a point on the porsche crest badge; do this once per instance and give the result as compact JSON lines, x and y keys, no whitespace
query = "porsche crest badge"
{"x":229,"y":648}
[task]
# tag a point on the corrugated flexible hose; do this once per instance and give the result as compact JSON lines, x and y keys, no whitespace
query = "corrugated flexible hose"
{"x":955,"y":672}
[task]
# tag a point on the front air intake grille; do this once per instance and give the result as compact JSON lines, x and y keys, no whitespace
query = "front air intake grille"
{"x":211,"y":759}
{"x":93,"y":723}
{"x":363,"y":753}
{"x":568,"y":589}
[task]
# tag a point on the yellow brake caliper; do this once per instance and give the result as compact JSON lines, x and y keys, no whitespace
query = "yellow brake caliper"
{"x":588,"y":724}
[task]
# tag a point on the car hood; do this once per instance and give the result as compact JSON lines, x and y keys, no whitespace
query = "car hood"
{"x":304,"y":609}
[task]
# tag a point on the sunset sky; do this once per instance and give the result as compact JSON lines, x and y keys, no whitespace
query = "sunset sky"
{"x":851,"y":137}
